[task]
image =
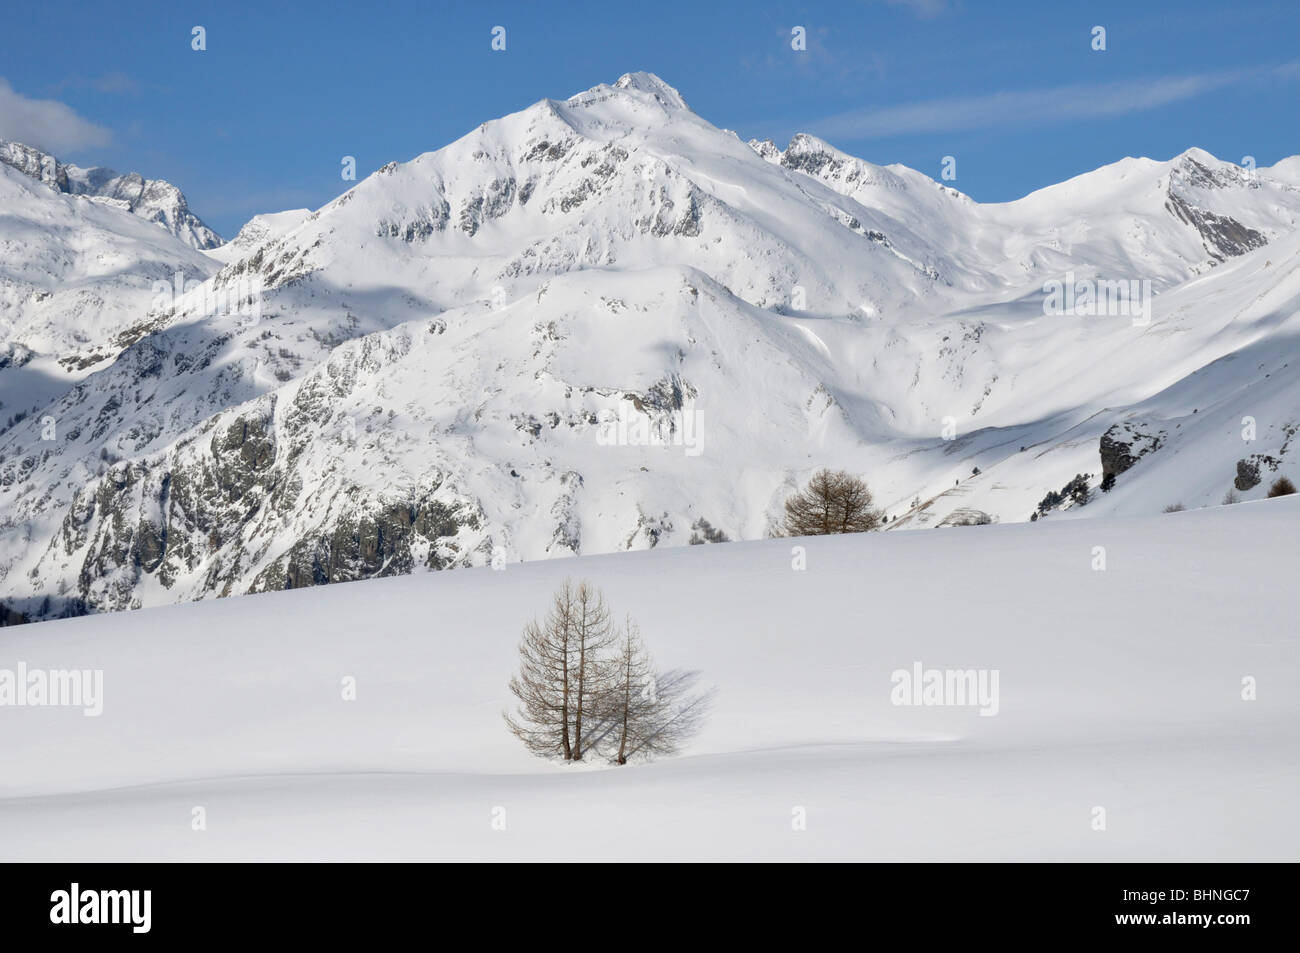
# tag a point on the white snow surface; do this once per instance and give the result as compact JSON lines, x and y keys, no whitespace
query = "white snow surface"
{"x":1119,"y":689}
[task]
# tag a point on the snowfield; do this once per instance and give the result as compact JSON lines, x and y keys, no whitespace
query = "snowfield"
{"x":1119,"y":689}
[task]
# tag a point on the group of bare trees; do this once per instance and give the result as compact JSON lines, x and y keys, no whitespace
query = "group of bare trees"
{"x":586,"y":685}
{"x":832,"y":502}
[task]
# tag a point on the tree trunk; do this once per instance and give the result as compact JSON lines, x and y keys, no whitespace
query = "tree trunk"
{"x":564,"y":709}
{"x":627,"y":702}
{"x":577,"y":724}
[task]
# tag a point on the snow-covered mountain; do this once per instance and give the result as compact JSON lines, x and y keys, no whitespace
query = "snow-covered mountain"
{"x":77,"y":272}
{"x":154,"y":200}
{"x":603,"y":323}
{"x":256,"y":231}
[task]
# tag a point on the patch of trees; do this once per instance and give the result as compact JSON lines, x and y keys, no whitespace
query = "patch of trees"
{"x":702,"y":531}
{"x":1075,"y":492}
{"x":587,"y":686}
{"x":10,"y":616}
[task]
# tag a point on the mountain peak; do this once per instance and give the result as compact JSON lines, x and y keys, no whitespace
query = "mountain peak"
{"x":802,"y":142}
{"x":1197,"y":154}
{"x":1198,"y":169}
{"x":155,"y":200}
{"x":34,"y":163}
{"x":644,"y":82}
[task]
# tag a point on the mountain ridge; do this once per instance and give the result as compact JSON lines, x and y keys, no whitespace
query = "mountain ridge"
{"x":439,"y":353}
{"x":154,"y":200}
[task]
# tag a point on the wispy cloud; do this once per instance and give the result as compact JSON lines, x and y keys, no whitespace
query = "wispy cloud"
{"x":924,"y":9}
{"x":113,"y":84}
{"x":1056,"y":104}
{"x":46,"y":123}
{"x":818,"y":59}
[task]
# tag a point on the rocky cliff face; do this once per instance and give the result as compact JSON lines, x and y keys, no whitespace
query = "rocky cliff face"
{"x":34,"y":163}
{"x":223,"y":512}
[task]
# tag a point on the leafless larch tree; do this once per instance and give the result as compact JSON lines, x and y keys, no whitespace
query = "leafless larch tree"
{"x":586,"y":686}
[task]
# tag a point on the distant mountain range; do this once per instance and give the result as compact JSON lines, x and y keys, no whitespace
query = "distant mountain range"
{"x":602,"y":324}
{"x":151,"y":199}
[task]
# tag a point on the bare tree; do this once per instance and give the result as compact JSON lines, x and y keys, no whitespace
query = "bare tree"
{"x":665,"y":714}
{"x":648,"y":712}
{"x":634,"y":696}
{"x":544,"y":683}
{"x":585,"y":686}
{"x":593,"y":636}
{"x":1281,"y":487}
{"x":831,"y":503}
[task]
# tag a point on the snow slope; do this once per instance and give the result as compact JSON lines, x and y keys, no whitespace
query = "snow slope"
{"x":1119,"y":689}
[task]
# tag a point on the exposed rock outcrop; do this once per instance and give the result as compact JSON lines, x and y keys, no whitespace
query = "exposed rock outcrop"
{"x":1123,"y":444}
{"x":1249,"y":470}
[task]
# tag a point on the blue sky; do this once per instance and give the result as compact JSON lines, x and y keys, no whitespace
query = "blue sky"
{"x":260,"y":120}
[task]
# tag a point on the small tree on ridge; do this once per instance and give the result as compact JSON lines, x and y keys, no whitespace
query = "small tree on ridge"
{"x":831,"y":503}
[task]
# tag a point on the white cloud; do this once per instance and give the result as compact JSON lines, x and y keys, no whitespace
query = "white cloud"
{"x":1078,"y":101}
{"x":46,"y":123}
